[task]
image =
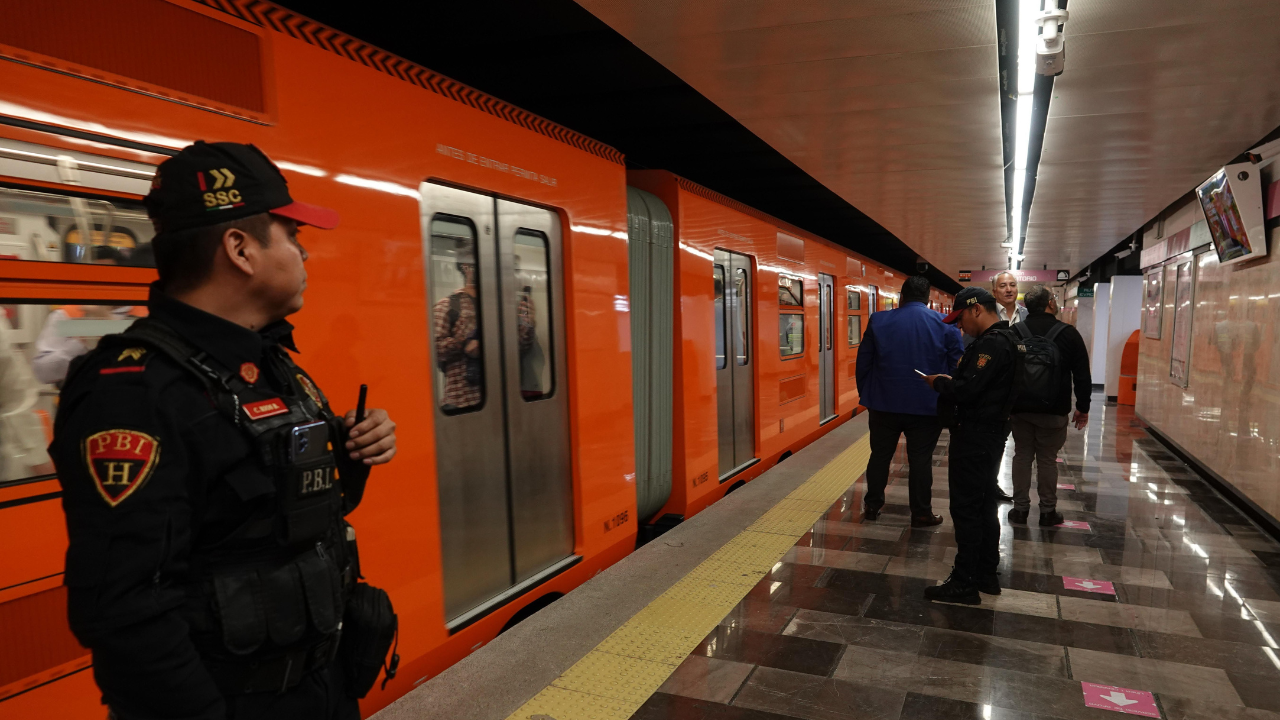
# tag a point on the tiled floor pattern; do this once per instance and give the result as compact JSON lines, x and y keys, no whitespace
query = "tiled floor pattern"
{"x":615,"y":678}
{"x":838,"y":629}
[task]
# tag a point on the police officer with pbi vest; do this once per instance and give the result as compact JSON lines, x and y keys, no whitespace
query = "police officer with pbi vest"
{"x":978,"y":400}
{"x":205,"y":478}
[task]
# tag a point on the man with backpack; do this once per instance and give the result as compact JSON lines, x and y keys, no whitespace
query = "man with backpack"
{"x":1055,"y":360}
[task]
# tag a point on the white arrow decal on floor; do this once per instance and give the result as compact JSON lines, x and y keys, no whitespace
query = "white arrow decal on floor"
{"x":1090,"y":584}
{"x":1118,"y":698}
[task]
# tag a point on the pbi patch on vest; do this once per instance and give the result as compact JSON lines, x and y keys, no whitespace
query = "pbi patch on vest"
{"x":983,"y":360}
{"x":120,"y":462}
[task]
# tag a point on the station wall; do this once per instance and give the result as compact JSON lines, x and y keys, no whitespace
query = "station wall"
{"x":1228,"y":414}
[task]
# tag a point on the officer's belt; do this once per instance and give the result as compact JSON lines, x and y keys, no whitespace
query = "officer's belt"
{"x":276,"y":674}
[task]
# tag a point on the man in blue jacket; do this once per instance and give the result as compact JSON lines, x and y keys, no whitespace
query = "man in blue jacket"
{"x":895,"y":345}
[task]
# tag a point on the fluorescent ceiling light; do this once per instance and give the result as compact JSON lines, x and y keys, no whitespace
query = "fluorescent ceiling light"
{"x":1028,"y":31}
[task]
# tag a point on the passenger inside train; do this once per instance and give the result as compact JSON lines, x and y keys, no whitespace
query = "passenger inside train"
{"x":747,"y":360}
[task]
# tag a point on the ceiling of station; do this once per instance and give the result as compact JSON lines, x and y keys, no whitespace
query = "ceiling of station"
{"x":1156,"y":96}
{"x":555,"y":58}
{"x":894,"y":106}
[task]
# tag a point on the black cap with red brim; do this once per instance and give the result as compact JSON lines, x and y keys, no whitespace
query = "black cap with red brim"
{"x":211,"y":183}
{"x":966,"y":299}
{"x":308,"y":214}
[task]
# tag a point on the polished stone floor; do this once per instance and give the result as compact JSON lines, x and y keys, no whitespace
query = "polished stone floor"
{"x":839,"y":629}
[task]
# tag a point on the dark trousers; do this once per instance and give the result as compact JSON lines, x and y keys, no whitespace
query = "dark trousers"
{"x":974,"y":463}
{"x":320,"y":696}
{"x":922,"y":433}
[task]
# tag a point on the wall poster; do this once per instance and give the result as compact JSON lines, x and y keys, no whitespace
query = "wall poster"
{"x":1183,"y":308}
{"x":1153,"y":303}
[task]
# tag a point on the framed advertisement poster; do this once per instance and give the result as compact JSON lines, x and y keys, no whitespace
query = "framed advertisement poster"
{"x":1183,"y":308}
{"x":1153,"y":303}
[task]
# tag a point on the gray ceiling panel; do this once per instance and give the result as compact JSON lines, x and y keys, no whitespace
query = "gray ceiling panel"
{"x":894,"y":106}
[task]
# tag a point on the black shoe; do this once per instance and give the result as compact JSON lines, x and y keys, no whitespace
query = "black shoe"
{"x":1018,"y":517}
{"x":929,"y":520}
{"x":1002,"y":496}
{"x":1053,"y":517}
{"x":870,"y":513}
{"x":954,"y":590}
{"x":989,"y":586}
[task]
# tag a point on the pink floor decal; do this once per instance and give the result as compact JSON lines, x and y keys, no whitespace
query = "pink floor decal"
{"x":1125,"y":700}
{"x":1097,"y":586}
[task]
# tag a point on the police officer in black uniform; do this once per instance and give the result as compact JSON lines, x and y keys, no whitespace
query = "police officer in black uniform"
{"x":204,"y":476}
{"x":982,"y":394}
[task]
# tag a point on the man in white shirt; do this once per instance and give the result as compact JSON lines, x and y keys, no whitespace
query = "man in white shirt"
{"x":56,"y":347}
{"x":1005,"y":287}
{"x":22,"y":438}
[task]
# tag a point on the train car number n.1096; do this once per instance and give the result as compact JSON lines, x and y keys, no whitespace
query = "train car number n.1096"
{"x":617,"y":520}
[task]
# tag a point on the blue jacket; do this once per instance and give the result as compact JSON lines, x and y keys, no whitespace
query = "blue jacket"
{"x":896,"y":344}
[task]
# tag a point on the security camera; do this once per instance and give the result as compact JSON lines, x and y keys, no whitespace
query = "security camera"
{"x":922,"y":267}
{"x":1051,"y":48}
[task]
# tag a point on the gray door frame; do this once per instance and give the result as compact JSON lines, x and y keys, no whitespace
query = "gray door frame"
{"x":826,"y":349}
{"x":503,"y":468}
{"x":735,"y":382}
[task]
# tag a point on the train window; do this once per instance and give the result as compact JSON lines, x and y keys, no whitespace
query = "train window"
{"x":855,"y":329}
{"x":50,"y":227}
{"x":533,"y":314}
{"x":791,"y":334}
{"x":741,"y":303}
{"x":37,"y":345}
{"x":718,"y":275}
{"x":790,"y":291}
{"x":455,"y":314}
{"x":853,"y":300}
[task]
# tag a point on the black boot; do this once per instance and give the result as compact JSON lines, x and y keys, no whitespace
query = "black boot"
{"x":919,"y":521}
{"x":954,"y":590}
{"x":869,"y":513}
{"x":1053,"y":517}
{"x":989,"y":585}
{"x":1018,"y":517}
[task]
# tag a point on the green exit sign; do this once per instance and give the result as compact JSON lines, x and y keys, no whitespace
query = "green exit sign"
{"x":1084,"y":292}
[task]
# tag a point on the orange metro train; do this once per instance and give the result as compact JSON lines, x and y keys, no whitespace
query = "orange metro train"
{"x":740,"y":331}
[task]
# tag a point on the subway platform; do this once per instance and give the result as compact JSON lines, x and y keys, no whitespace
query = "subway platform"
{"x":1158,"y":599}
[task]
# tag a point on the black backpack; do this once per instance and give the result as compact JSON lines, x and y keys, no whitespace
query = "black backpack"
{"x":1040,"y":378}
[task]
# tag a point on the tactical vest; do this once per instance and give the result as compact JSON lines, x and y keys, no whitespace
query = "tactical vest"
{"x":262,"y":621}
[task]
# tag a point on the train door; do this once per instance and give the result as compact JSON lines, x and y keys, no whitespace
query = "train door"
{"x":826,"y":349}
{"x":501,"y":407}
{"x":735,"y":384}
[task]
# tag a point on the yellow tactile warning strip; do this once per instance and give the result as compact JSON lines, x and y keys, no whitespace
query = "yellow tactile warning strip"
{"x":615,"y":678}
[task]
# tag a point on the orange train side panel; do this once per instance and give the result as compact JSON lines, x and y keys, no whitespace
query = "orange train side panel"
{"x":361,"y":141}
{"x":786,"y":390}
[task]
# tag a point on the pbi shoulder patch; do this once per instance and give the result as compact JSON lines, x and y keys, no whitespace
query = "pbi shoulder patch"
{"x":120,"y":462}
{"x":983,"y":359}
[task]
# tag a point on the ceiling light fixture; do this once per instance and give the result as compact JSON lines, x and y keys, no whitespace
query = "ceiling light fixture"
{"x":1028,"y":10}
{"x":1041,"y":50}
